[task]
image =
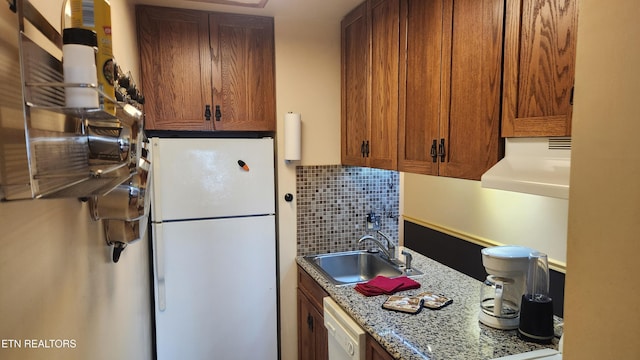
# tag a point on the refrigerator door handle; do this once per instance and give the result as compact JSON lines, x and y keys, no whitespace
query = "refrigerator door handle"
{"x":159,"y":260}
{"x":156,"y":204}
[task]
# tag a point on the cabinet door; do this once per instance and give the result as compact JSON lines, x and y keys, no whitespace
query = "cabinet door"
{"x":539,"y":67}
{"x":421,"y":24}
{"x":306,"y":340}
{"x":312,"y":335}
{"x":354,"y":59}
{"x":176,"y":75}
{"x":242,"y":50}
{"x":385,"y":47}
{"x":470,"y":111}
{"x":374,"y":351}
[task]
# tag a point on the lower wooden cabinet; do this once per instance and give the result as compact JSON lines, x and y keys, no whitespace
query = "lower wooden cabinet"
{"x":312,"y":335}
{"x":375,"y":351}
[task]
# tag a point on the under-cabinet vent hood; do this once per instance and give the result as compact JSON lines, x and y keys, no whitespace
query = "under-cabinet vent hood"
{"x":537,"y":166}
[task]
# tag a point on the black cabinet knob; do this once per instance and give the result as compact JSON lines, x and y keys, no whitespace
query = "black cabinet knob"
{"x":218,"y":114}
{"x":207,"y":112}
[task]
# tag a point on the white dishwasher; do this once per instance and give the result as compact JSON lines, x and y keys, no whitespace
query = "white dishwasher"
{"x":346,"y":339}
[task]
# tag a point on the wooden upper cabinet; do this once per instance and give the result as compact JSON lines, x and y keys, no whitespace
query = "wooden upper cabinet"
{"x":449,"y":116}
{"x":420,"y":94}
{"x":242,"y":51}
{"x":470,"y":112}
{"x":385,"y":45}
{"x":175,"y":64}
{"x":370,"y":62}
{"x":355,"y":78}
{"x":197,"y":65}
{"x":539,"y":67}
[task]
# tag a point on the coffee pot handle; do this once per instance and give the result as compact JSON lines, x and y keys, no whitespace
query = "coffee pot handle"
{"x":497,"y":300}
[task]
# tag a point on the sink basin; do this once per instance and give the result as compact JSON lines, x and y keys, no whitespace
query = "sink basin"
{"x":356,"y":266}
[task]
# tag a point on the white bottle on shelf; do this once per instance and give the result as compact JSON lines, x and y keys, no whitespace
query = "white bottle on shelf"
{"x":79,"y":67}
{"x":96,"y":15}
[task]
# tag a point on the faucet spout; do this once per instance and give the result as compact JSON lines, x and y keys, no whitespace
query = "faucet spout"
{"x":388,"y":250}
{"x":390,"y":246}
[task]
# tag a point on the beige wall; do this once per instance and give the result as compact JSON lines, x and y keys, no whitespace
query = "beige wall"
{"x":308,"y":82}
{"x":604,"y":211}
{"x":58,"y":281}
{"x":489,"y":215}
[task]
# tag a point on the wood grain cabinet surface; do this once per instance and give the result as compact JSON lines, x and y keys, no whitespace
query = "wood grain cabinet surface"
{"x":242,"y":49}
{"x":312,"y":335}
{"x":355,"y":78}
{"x":206,"y":71}
{"x":374,"y":351}
{"x":449,"y":117}
{"x":539,"y":67}
{"x":426,"y":79}
{"x":370,"y":61}
{"x":421,"y":85}
{"x":175,"y":64}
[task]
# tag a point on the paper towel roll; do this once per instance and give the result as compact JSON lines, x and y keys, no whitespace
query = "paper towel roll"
{"x":292,"y":136}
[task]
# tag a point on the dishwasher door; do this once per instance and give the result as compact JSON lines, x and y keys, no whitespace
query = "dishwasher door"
{"x":346,"y":338}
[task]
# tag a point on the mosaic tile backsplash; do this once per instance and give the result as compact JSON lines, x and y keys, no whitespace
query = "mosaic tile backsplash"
{"x":333,"y":203}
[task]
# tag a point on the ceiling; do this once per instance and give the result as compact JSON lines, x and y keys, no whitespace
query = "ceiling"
{"x":320,"y":9}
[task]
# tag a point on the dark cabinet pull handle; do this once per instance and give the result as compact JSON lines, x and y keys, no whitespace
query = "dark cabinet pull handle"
{"x":310,"y":322}
{"x":434,"y":152}
{"x":362,"y":148}
{"x":441,"y":150}
{"x":218,"y":113}
{"x":366,"y":148}
{"x":571,"y":96}
{"x":207,"y":112}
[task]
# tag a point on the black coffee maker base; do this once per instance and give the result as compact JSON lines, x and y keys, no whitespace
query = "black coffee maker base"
{"x":544,"y":341}
{"x":536,"y":320}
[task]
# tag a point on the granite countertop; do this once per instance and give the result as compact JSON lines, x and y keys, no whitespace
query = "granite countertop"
{"x":450,"y":333}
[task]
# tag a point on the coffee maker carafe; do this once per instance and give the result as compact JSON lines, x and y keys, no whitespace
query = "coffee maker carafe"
{"x":502,"y":291}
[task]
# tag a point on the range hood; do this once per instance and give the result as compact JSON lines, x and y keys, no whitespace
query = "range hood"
{"x":538,"y":166}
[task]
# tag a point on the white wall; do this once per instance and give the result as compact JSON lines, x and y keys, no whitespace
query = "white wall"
{"x":58,"y":281}
{"x":604,"y":210}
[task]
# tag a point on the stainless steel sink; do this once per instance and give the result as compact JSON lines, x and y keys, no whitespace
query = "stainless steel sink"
{"x":357,"y":266}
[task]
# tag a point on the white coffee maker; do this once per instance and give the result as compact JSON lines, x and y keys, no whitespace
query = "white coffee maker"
{"x":501,"y":294}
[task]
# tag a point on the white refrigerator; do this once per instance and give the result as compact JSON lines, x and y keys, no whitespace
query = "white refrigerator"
{"x":214,"y":248}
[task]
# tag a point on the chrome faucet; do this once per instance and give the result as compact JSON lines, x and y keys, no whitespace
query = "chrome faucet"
{"x":389,"y":250}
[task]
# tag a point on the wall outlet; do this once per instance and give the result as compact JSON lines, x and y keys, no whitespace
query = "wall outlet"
{"x":373,"y":222}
